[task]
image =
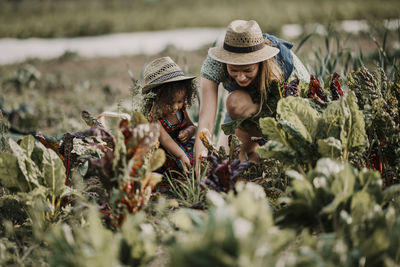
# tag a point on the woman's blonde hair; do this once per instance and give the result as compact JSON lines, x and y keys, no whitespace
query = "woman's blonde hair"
{"x":269,"y":71}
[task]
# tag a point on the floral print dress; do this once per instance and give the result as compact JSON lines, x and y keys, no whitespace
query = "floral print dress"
{"x":173,"y":130}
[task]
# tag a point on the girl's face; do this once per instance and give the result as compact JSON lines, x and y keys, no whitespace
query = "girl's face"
{"x":243,"y":74}
{"x":177,"y":103}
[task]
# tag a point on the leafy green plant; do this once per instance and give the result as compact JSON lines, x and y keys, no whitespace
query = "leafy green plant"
{"x":318,"y":199}
{"x":359,"y":217}
{"x":300,"y":135}
{"x":36,"y":173}
{"x":238,"y":230}
{"x":378,"y":99}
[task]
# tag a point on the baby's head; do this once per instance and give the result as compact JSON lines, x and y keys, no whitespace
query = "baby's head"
{"x":167,"y":86}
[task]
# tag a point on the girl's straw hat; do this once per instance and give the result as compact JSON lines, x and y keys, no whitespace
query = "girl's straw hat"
{"x":162,"y":70}
{"x":243,"y":44}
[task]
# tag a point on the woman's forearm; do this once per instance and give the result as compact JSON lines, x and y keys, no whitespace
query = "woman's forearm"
{"x":208,"y":108}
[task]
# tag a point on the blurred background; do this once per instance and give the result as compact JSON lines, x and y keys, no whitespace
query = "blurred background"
{"x":59,"y":57}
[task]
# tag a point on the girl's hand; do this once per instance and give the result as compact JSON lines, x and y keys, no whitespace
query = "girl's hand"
{"x":185,"y":164}
{"x":184,"y":136}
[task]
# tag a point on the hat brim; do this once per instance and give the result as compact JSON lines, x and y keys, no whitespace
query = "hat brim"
{"x":175,"y":79}
{"x":224,"y":56}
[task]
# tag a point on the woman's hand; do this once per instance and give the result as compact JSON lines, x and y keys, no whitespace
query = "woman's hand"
{"x":185,"y":163}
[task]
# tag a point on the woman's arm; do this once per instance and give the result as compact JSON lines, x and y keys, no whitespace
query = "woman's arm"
{"x":169,"y":144}
{"x":208,"y":108}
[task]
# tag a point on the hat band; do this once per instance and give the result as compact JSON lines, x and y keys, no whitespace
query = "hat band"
{"x":247,"y":49}
{"x":168,"y":76}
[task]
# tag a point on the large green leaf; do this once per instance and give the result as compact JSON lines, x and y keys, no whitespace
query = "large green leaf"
{"x":306,"y":151}
{"x":269,"y":127}
{"x":303,"y":190}
{"x":361,"y":203}
{"x":10,"y":174}
{"x":27,"y":166}
{"x":301,"y":114}
{"x":330,"y":148}
{"x":277,"y":150}
{"x":53,"y":171}
{"x":357,"y":134}
{"x":332,"y":120}
{"x":28,"y":144}
{"x":328,"y":167}
{"x":342,"y":188}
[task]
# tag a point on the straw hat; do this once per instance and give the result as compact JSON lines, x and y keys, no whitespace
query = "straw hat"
{"x":162,"y":70}
{"x":243,"y":44}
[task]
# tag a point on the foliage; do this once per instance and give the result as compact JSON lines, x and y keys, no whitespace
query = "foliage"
{"x":379,"y":101}
{"x":37,"y":174}
{"x":335,"y":197}
{"x":94,"y":17}
{"x":222,"y":176}
{"x":91,"y":244}
{"x":123,"y":163}
{"x":331,"y":213}
{"x":300,"y":135}
{"x":186,"y":188}
{"x":318,"y":199}
{"x":238,"y":230}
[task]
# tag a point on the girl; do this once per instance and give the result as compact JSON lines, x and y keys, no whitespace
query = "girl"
{"x":168,"y":92}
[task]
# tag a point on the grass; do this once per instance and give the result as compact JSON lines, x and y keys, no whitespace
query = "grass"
{"x":186,"y":188}
{"x":49,"y":18}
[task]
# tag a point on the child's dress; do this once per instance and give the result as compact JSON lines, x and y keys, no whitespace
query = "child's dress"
{"x":173,"y":130}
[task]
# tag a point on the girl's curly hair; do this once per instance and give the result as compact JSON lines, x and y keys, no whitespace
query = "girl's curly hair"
{"x":163,"y":95}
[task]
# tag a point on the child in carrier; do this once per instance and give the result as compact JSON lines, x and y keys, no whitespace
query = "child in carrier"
{"x":168,"y":92}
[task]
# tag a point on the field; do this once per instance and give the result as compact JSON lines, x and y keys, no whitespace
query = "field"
{"x":324,"y":193}
{"x":61,"y":18}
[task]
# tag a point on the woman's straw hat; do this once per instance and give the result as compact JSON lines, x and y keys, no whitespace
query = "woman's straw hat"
{"x":162,"y":70}
{"x":243,"y":44}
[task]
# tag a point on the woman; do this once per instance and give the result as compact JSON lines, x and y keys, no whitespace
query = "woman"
{"x":247,"y":65}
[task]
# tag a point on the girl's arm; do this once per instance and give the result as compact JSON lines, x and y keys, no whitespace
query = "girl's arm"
{"x":189,"y":130}
{"x":169,"y":144}
{"x":208,"y":108}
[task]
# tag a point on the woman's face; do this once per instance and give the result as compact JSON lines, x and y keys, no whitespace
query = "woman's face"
{"x":243,"y":74}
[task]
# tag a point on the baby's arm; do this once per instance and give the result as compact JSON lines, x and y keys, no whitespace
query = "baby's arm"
{"x":169,"y":144}
{"x":189,"y":130}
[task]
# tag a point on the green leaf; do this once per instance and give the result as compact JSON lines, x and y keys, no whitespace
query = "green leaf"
{"x":301,"y":114}
{"x":157,"y":159}
{"x":328,"y":167}
{"x":342,"y":188}
{"x":391,"y":192}
{"x":27,"y":166}
{"x":28,"y":144}
{"x":277,"y":150}
{"x":330,"y":148}
{"x":269,"y":127}
{"x":332,"y":121}
{"x":306,"y":151}
{"x":10,"y":174}
{"x":53,"y":171}
{"x":304,"y":190}
{"x":229,"y":128}
{"x":357,"y":134}
{"x":361,"y":203}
